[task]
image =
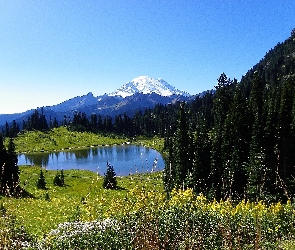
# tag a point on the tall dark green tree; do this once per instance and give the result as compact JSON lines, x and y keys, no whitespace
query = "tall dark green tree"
{"x":256,"y":168}
{"x":286,"y":146}
{"x":181,"y":153}
{"x":202,"y":154}
{"x":3,"y":158}
{"x":235,"y":147}
{"x":221,"y":103}
{"x":9,"y":169}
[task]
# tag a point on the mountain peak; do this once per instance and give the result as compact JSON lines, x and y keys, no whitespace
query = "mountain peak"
{"x":147,"y":85}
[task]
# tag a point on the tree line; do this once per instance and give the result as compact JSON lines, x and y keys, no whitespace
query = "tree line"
{"x":240,"y":144}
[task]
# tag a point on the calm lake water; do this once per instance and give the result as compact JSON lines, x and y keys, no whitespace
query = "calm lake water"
{"x":126,"y":159}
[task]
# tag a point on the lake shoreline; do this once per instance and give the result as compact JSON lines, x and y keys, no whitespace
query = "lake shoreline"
{"x":126,"y":158}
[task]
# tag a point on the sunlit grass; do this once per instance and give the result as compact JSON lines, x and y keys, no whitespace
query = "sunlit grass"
{"x":138,"y":215}
{"x":82,"y":197}
{"x":63,"y":139}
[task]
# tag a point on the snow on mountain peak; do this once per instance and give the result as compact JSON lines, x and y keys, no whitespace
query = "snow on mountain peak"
{"x":147,"y":85}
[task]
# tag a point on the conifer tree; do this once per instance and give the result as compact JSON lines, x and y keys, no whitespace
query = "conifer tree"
{"x":59,"y":179}
{"x":110,"y":181}
{"x":41,"y":183}
{"x":256,"y":168}
{"x":9,"y":168}
{"x":221,"y":104}
{"x":3,"y":157}
{"x":285,"y":141}
{"x":202,"y":148}
{"x":179,"y":155}
{"x":235,"y":147}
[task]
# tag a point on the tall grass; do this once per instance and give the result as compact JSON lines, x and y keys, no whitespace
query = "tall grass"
{"x":146,"y":220}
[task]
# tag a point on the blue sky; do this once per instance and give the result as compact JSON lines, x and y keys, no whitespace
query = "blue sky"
{"x":51,"y":51}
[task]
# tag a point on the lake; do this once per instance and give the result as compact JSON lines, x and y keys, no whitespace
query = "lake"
{"x":126,"y":159}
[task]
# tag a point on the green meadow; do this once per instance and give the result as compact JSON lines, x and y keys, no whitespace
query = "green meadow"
{"x":82,"y":198}
{"x":137,"y":215}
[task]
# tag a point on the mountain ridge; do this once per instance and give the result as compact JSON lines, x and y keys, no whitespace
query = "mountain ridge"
{"x":142,"y":92}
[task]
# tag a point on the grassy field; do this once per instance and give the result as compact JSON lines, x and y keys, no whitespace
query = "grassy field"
{"x":63,"y":139}
{"x":82,"y":198}
{"x":138,"y":215}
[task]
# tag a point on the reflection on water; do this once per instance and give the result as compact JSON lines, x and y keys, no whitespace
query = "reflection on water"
{"x":126,"y":159}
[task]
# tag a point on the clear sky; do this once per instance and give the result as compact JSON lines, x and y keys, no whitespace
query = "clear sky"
{"x":54,"y":50}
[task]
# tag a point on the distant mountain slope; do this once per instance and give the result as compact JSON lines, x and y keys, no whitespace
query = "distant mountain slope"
{"x":277,"y":65}
{"x":75,"y":103}
{"x":142,"y":92}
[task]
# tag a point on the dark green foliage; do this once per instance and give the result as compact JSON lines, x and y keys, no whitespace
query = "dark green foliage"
{"x":11,"y":130}
{"x":243,"y":135}
{"x":36,"y":121}
{"x":181,"y":154}
{"x":47,"y":197}
{"x":9,"y":174}
{"x":41,"y":183}
{"x":110,"y":181}
{"x":59,"y":179}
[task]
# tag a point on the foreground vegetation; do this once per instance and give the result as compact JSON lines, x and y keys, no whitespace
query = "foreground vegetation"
{"x":137,"y":215}
{"x":82,"y":197}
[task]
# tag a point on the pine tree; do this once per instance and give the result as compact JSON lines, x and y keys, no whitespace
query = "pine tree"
{"x":59,"y":179}
{"x":221,"y":103}
{"x":62,"y":177}
{"x":285,"y":141}
{"x":41,"y":183}
{"x":180,"y":158}
{"x":202,"y":148}
{"x":256,"y":168}
{"x":235,"y":147}
{"x":3,"y":157}
{"x":110,"y":181}
{"x":9,"y":168}
{"x":12,"y":162}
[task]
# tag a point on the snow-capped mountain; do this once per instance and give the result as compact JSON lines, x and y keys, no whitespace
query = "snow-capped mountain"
{"x":147,"y":85}
{"x":142,"y":92}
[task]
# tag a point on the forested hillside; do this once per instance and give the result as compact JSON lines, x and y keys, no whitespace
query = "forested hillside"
{"x":240,"y":142}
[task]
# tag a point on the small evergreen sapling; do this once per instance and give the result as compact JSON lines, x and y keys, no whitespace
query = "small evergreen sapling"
{"x":41,"y":183}
{"x":59,"y":179}
{"x":110,"y":181}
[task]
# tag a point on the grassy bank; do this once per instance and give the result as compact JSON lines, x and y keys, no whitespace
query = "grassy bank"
{"x":82,"y":198}
{"x":63,"y":139}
